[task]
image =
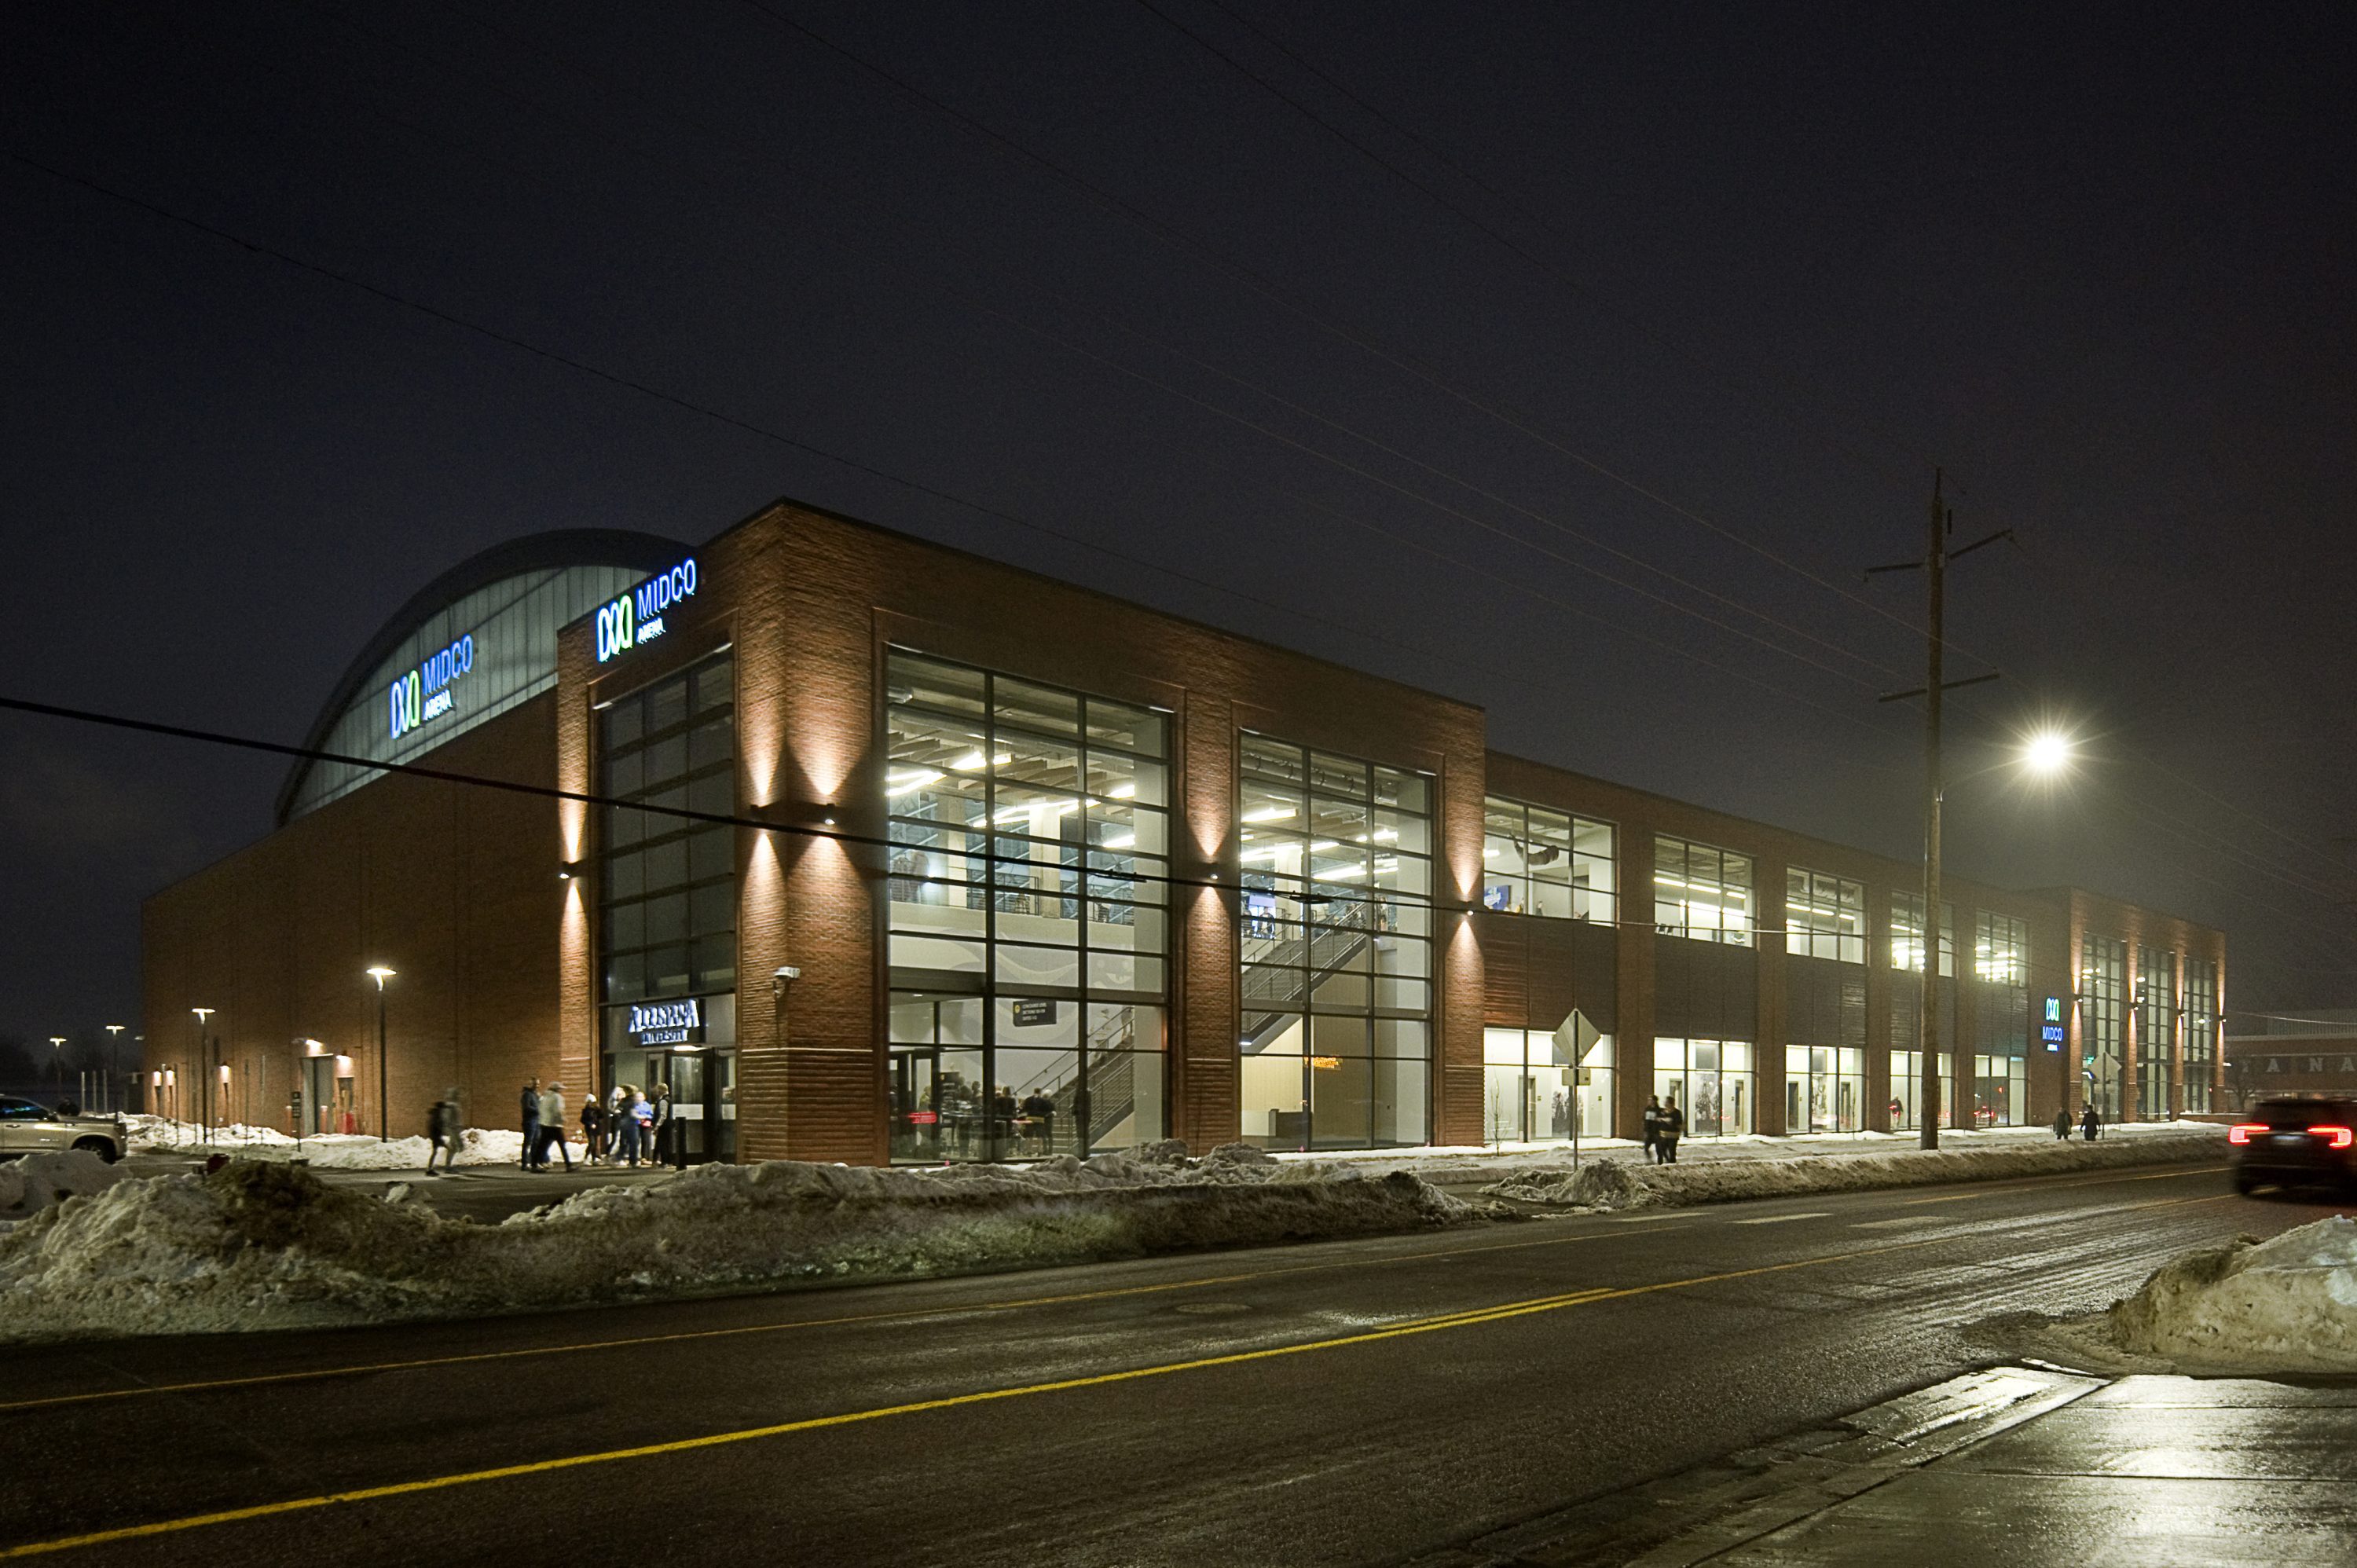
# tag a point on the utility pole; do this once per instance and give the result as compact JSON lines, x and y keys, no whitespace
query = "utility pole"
{"x":1934,"y":567}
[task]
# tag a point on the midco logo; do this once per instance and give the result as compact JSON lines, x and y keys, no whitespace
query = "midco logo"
{"x":637,"y":616}
{"x":424,"y":693}
{"x":666,"y":1023}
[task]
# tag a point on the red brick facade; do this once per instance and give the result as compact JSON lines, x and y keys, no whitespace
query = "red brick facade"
{"x":459,"y":888}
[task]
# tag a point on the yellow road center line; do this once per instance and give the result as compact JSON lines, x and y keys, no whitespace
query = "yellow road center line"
{"x":1473,"y":1318}
{"x":1014,"y":1303}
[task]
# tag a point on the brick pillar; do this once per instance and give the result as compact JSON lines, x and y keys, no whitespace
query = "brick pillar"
{"x":1965,"y":1085}
{"x":1207,"y":1082}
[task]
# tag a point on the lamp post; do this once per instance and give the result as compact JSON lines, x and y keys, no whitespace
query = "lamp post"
{"x":57,"y":1058}
{"x":381,"y":973}
{"x":202,"y":1054}
{"x":113,"y":1060}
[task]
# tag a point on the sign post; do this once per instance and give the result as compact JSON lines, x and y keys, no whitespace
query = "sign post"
{"x":1573,"y":1038}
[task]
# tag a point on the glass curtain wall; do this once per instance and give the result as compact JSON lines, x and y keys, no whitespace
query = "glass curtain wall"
{"x":1334,"y":947}
{"x":2102,"y":987}
{"x":1825,"y":917}
{"x":2200,"y":1033}
{"x":667,"y":900}
{"x":1701,"y":892}
{"x":1537,"y":862}
{"x":1533,"y":1093}
{"x":2001,"y":1011}
{"x":1828,"y":1093}
{"x":2156,"y":1030}
{"x":1026,"y":904}
{"x":1906,"y":1012}
{"x":1709,"y":1080}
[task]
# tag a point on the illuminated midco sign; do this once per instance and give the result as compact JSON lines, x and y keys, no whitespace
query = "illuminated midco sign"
{"x":424,"y":693}
{"x":638,"y":616}
{"x":666,"y":1023}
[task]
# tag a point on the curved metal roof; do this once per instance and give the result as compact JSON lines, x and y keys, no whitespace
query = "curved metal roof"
{"x":553,"y":550}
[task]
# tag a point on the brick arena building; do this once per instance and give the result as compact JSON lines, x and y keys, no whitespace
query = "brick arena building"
{"x":887,"y":851}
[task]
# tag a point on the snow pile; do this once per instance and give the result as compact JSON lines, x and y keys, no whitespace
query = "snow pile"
{"x":39,"y":1180}
{"x":331,"y":1151}
{"x":1612,"y":1184}
{"x":2284,"y":1305}
{"x":266,"y":1245}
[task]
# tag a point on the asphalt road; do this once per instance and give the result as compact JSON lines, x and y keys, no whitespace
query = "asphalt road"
{"x":1339,"y":1403}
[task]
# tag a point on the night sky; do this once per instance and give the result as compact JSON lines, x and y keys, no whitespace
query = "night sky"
{"x":1569,"y":360}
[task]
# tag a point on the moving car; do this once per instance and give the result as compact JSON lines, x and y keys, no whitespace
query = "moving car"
{"x":27,"y":1128}
{"x":2296,"y":1140}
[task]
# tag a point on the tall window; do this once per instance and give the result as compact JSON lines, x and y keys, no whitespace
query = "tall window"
{"x":1907,"y":934}
{"x":1334,"y":947}
{"x":1533,"y":1094}
{"x":1907,"y":1088}
{"x":1701,"y":893}
{"x":1825,"y":1088}
{"x":1537,"y":862}
{"x":2000,"y":949}
{"x":2201,"y":1032}
{"x":1026,"y":904}
{"x":669,"y":884}
{"x":667,"y":893}
{"x":2156,"y":1028}
{"x":2102,"y":988}
{"x":2001,"y":1049}
{"x":1709,"y":1080}
{"x":1825,"y":917}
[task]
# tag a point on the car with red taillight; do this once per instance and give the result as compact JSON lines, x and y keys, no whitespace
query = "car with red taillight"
{"x":2296,"y":1141}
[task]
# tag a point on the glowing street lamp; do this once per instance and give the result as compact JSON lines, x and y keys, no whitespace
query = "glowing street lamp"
{"x":381,"y":973}
{"x":203,"y":1053}
{"x":58,"y":1055}
{"x":2046,"y":753}
{"x":113,"y":1060}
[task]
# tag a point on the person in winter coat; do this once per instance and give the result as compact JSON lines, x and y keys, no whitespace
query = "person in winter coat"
{"x":2091,"y":1126}
{"x":1652,"y":1127}
{"x":1672,"y":1127}
{"x":552,"y":1128}
{"x":663,"y":1133}
{"x":531,"y":1108}
{"x":593,"y":1129}
{"x":443,"y":1125}
{"x":2063,"y":1125}
{"x":637,"y":1124}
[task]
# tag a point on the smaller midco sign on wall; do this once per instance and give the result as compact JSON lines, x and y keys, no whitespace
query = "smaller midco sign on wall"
{"x":424,"y":693}
{"x":637,"y":616}
{"x":666,"y":1023}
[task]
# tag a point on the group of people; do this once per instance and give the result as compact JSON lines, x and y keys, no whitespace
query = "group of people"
{"x":1663,"y":1126}
{"x":2091,"y":1125}
{"x":623,"y":1128}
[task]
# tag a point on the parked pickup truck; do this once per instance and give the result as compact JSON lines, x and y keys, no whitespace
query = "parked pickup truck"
{"x":27,"y":1128}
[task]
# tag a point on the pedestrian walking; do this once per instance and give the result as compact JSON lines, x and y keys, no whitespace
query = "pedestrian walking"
{"x":2063,"y":1125}
{"x":552,"y":1128}
{"x":593,"y":1129}
{"x":1652,"y":1127}
{"x":662,"y":1128}
{"x":2091,"y":1126}
{"x":640,"y":1119}
{"x":444,"y":1129}
{"x":1673,"y":1126}
{"x":531,"y":1108}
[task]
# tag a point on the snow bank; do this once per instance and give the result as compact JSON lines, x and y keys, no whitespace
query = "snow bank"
{"x":1614,"y":1184}
{"x":2284,"y":1305}
{"x":333,"y":1151}
{"x":265,"y":1245}
{"x":39,"y":1180}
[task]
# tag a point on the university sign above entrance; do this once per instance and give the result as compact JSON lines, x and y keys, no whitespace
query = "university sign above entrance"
{"x":636,"y":617}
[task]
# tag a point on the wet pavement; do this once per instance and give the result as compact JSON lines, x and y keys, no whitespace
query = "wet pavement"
{"x":2014,"y":1466}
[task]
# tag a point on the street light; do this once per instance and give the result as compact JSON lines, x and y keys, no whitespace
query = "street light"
{"x":2046,"y":753}
{"x":381,"y":973}
{"x":57,"y":1056}
{"x":113,"y":1060}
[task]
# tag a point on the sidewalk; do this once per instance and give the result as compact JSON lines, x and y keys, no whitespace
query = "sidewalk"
{"x":2018,"y":1465}
{"x":1459,"y":1168}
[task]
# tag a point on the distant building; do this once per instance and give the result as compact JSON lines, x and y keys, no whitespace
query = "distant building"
{"x":878,"y":851}
{"x":2303,"y":1050}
